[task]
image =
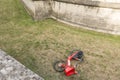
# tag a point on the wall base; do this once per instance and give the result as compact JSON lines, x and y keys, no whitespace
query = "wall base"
{"x":97,"y":18}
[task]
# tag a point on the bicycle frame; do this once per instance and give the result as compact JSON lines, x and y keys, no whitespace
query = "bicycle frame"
{"x":69,"y":70}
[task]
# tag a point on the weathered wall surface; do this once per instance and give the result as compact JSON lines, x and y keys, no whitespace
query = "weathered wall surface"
{"x":38,"y":9}
{"x":96,"y":18}
{"x":95,"y":3}
{"x":99,"y":15}
{"x":29,"y":5}
{"x":42,"y":9}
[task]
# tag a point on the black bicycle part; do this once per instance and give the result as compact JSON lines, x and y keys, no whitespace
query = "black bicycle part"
{"x":79,"y":56}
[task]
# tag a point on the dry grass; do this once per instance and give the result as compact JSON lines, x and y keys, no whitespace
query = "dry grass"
{"x":38,"y":44}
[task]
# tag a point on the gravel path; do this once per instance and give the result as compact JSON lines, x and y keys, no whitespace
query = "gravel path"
{"x":11,"y":69}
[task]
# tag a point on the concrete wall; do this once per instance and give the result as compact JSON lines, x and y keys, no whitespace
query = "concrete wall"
{"x":95,"y":3}
{"x":39,"y":10}
{"x":29,"y":5}
{"x":43,"y":10}
{"x":98,"y":15}
{"x":96,"y":18}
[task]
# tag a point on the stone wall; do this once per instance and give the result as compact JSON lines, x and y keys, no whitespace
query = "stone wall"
{"x":95,"y":3}
{"x":42,"y":10}
{"x":98,"y":15}
{"x":39,"y":10}
{"x":96,"y":18}
{"x":11,"y":69}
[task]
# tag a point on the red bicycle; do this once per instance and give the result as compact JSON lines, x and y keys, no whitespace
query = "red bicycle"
{"x":69,"y":70}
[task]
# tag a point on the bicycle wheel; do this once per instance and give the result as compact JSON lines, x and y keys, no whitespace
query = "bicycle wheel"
{"x":58,"y":66}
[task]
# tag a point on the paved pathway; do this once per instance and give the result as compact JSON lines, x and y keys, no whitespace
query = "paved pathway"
{"x":10,"y":69}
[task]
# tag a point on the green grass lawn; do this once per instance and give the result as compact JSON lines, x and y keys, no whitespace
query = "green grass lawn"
{"x":38,"y":44}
